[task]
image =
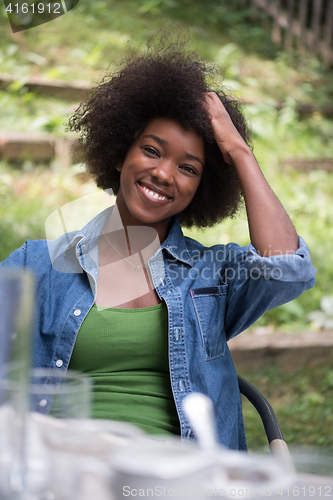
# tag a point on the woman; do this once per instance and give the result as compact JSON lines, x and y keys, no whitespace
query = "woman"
{"x":131,"y":301}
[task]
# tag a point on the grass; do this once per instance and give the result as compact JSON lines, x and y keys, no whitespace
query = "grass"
{"x":304,"y":409}
{"x":28,"y":197}
{"x":252,"y":67}
{"x":81,"y":45}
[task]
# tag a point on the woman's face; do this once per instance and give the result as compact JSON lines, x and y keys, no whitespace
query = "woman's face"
{"x":160,"y":174}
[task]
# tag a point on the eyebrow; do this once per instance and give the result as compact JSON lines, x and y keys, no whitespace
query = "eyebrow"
{"x":164,"y":141}
{"x":156,"y":138}
{"x":192,"y":157}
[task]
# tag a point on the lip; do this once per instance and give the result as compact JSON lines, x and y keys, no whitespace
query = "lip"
{"x":160,"y":192}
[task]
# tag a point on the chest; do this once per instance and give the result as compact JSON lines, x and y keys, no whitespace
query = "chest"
{"x":124,"y":286}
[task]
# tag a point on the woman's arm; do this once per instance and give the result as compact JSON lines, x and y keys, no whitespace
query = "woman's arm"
{"x":271,"y":230}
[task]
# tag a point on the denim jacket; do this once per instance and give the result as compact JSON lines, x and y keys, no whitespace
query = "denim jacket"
{"x":212,"y":294}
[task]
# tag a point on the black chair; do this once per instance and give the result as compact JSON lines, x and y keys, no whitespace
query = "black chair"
{"x":277,"y":444}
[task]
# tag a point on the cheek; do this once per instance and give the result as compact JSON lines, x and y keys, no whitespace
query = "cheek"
{"x":193,"y":188}
{"x":126,"y":175}
{"x":188,"y":196}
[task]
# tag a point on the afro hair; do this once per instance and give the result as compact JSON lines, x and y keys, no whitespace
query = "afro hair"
{"x":167,"y":83}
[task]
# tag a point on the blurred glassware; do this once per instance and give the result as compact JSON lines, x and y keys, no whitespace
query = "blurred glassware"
{"x":80,"y":453}
{"x":16,"y":314}
{"x":59,"y":393}
{"x":315,"y":460}
{"x":183,"y":469}
{"x":55,"y":397}
{"x":314,"y":468}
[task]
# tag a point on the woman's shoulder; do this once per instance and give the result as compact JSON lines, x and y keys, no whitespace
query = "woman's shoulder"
{"x":220,"y":251}
{"x":38,"y":254}
{"x":177,"y":239}
{"x":31,"y":250}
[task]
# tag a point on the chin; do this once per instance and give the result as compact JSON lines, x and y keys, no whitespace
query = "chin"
{"x":141,"y":217}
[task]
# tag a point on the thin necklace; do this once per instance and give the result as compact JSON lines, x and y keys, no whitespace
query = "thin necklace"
{"x":136,"y":268}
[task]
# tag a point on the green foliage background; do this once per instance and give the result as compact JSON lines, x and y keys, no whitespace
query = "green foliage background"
{"x":92,"y":37}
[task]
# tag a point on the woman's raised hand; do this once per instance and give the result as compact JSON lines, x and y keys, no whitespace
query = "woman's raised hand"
{"x":227,"y":136}
{"x":271,"y":230}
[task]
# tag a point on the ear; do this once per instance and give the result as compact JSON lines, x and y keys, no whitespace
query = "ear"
{"x":119,"y":167}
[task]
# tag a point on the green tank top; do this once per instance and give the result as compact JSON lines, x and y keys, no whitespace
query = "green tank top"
{"x":125,"y":352}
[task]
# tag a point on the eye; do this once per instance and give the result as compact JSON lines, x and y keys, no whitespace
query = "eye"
{"x":150,"y":150}
{"x":189,"y":169}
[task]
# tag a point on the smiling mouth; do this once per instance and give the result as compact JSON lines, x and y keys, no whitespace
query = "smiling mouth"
{"x":153,"y":194}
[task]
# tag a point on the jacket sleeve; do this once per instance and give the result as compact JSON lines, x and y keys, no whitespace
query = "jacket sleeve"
{"x":16,"y":259}
{"x":257,"y":284}
{"x":32,"y":255}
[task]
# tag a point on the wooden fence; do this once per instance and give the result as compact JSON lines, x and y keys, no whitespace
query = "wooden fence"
{"x":301,"y":24}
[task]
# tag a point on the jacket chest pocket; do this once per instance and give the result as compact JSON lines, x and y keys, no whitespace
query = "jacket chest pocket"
{"x":209,"y":304}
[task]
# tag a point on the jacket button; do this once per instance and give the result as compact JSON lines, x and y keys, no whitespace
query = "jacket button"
{"x":43,"y":402}
{"x":77,"y":312}
{"x":59,"y":363}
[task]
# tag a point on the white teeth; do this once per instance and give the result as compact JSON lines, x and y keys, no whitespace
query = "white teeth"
{"x":153,"y":194}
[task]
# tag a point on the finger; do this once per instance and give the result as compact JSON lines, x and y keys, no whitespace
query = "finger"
{"x":211,"y":97}
{"x":214,"y":101}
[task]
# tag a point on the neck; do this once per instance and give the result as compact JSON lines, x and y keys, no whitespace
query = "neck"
{"x":130,"y":239}
{"x":124,"y":218}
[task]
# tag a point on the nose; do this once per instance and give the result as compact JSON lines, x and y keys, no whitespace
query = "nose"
{"x":164,"y":172}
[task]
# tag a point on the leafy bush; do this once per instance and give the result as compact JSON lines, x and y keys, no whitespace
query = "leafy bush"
{"x":322,"y":318}
{"x":224,"y":33}
{"x":29,"y":197}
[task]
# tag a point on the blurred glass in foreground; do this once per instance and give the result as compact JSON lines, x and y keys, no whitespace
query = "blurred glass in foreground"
{"x":16,"y":313}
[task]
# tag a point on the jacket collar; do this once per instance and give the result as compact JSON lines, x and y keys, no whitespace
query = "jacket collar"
{"x":86,"y":239}
{"x":175,"y":243}
{"x":88,"y":236}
